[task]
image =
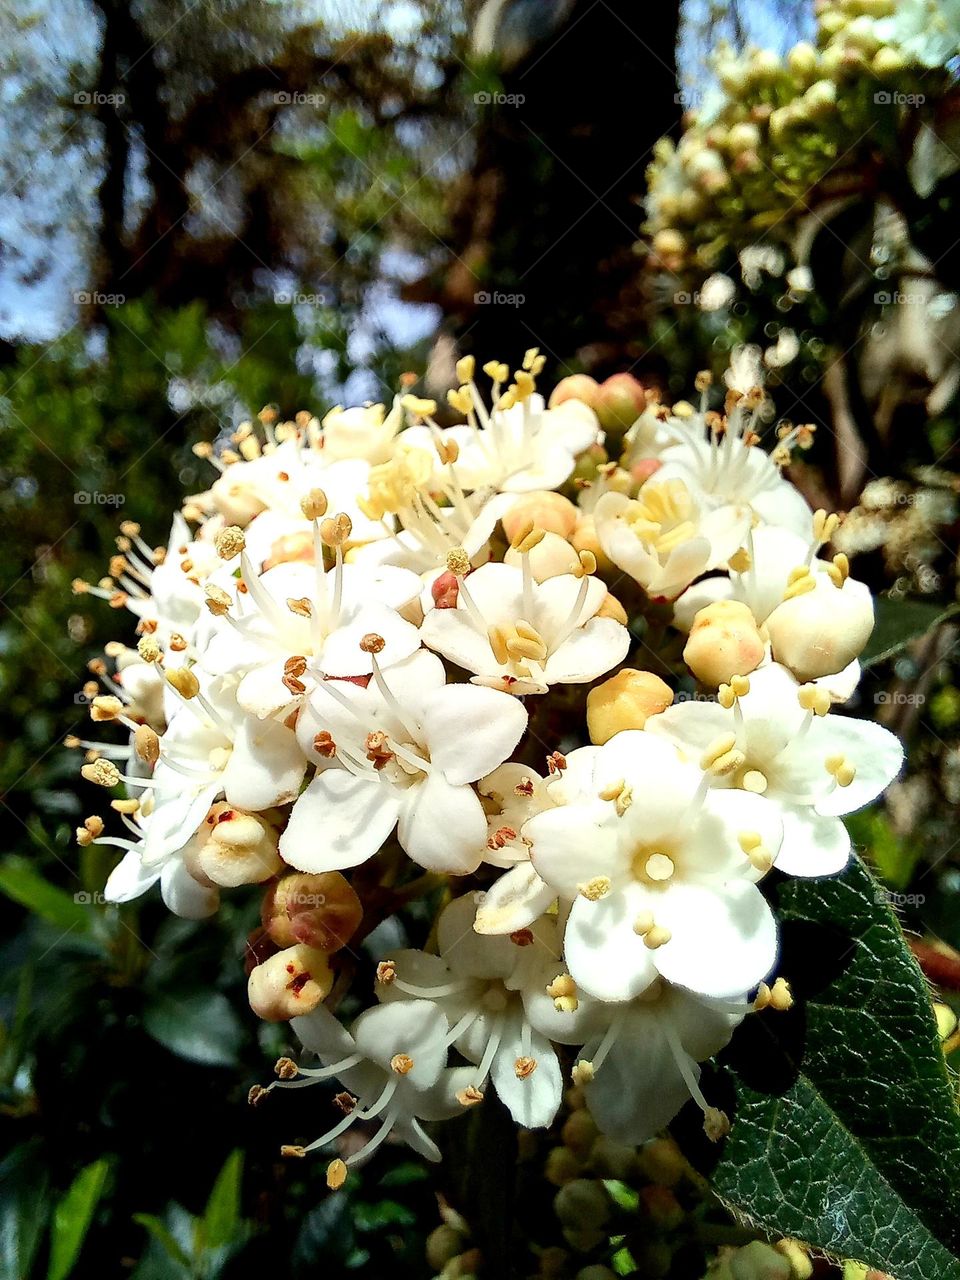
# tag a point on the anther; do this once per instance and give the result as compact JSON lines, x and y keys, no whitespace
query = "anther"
{"x":401,"y":1063}
{"x":314,"y":505}
{"x":656,"y":937}
{"x":470,"y":1096}
{"x":582,"y":1072}
{"x":458,"y":562}
{"x":812,"y":698}
{"x":103,"y":773}
{"x":372,"y":643}
{"x":184,"y":681}
{"x":524,"y":1068}
{"x":755,"y":782}
{"x":229,"y":542}
{"x":595,"y":889}
{"x":285,"y":1069}
{"x":716,"y":1124}
{"x":386,"y":972}
{"x":336,"y":1174}
{"x":335,"y":530}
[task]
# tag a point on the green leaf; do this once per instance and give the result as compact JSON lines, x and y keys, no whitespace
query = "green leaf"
{"x":221,"y":1222}
{"x":19,"y":881}
{"x":72,"y":1218}
{"x":164,"y":1237}
{"x":899,"y":622}
{"x":23,"y":1210}
{"x":845,"y":1127}
{"x":200,"y":1026}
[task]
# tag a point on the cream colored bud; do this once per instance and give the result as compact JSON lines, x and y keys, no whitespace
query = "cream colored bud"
{"x":724,"y":642}
{"x":819,"y":632}
{"x":548,"y":511}
{"x":551,"y":556}
{"x":290,"y":983}
{"x":625,"y":701}
{"x":235,"y":848}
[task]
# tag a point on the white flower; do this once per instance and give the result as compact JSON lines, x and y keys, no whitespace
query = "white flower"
{"x":924,"y":29}
{"x":158,"y":855}
{"x":641,"y":1069}
{"x":524,"y":447}
{"x":404,"y":751}
{"x":361,"y":432}
{"x":664,"y":538}
{"x":511,"y":795}
{"x":661,"y":871}
{"x":300,"y":614}
{"x":814,"y":767}
{"x":522,"y":636}
{"x":816,"y":616}
{"x":486,"y":987}
{"x":392,"y":1061}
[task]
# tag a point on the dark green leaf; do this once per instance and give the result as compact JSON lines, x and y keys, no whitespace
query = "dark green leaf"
{"x":23,"y":1210}
{"x":899,"y":622}
{"x":846,"y":1132}
{"x":72,"y":1218}
{"x":200,"y":1026}
{"x":19,"y":881}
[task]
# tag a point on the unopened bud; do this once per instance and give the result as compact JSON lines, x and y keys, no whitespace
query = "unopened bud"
{"x":625,"y":701}
{"x":543,"y":509}
{"x":819,"y":632}
{"x":290,"y":983}
{"x":320,"y":910}
{"x":724,"y":641}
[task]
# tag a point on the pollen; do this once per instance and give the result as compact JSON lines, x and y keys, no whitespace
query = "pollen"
{"x":314,"y":504}
{"x":285,"y":1069}
{"x":386,"y":972}
{"x":470,"y":1096}
{"x":103,"y":773}
{"x":458,"y":562}
{"x":595,"y":889}
{"x":184,"y":681}
{"x":372,"y":643}
{"x":524,"y":1068}
{"x":401,"y":1063}
{"x":336,"y":1174}
{"x":229,"y":542}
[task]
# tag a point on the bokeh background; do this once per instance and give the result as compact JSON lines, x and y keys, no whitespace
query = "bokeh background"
{"x":208,"y":206}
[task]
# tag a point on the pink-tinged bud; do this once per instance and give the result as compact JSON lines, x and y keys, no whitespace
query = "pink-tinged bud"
{"x":445,"y":590}
{"x":549,"y":511}
{"x":620,"y":402}
{"x":321,"y":911}
{"x":579,"y":386}
{"x":291,"y":983}
{"x":290,"y":549}
{"x":625,"y":701}
{"x":233,"y":848}
{"x":819,"y":632}
{"x":642,"y":471}
{"x":724,"y":642}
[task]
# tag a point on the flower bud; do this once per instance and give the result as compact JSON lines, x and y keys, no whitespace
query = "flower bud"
{"x":561,"y":1167}
{"x":444,"y":1243}
{"x":625,"y":701}
{"x":579,"y":386}
{"x":724,"y":641}
{"x":551,"y":512}
{"x":669,"y":243}
{"x":321,"y":911}
{"x":579,"y":1133}
{"x":743,"y":137}
{"x":233,"y":848}
{"x":759,"y":1261}
{"x":290,"y":983}
{"x":551,"y":556}
{"x":290,"y":549}
{"x":887,"y":62}
{"x":820,"y":99}
{"x":802,"y":60}
{"x":819,"y":632}
{"x":583,"y":1208}
{"x":620,"y":401}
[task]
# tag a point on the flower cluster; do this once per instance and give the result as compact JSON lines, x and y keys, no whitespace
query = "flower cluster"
{"x":383,"y":664}
{"x":780,"y":135}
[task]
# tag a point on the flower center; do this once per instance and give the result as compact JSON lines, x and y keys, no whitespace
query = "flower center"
{"x":651,"y":865}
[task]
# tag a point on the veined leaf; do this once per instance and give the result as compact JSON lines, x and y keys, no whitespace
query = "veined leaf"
{"x":845,"y":1127}
{"x":221,"y":1220}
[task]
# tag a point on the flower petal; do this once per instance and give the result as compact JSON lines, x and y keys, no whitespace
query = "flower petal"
{"x":442,"y":827}
{"x":339,"y":822}
{"x":723,"y":940}
{"x":470,"y":730}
